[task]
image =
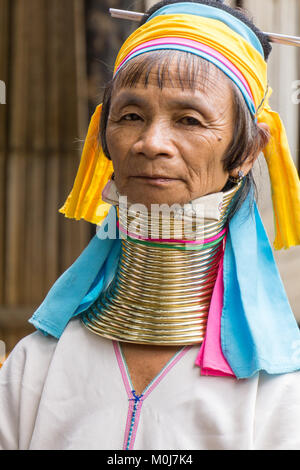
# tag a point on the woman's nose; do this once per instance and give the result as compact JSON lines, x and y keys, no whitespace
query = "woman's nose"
{"x":155,"y":140}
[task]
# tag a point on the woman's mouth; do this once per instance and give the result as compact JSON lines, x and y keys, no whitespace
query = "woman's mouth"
{"x":156,"y":180}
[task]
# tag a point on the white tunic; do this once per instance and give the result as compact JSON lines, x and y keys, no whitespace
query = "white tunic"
{"x":75,"y":393}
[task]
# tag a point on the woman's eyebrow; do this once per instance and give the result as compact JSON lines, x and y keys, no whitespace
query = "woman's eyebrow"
{"x":191,"y":103}
{"x":128,"y":98}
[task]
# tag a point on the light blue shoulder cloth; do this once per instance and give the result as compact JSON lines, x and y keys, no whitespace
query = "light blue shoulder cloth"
{"x":78,"y":287}
{"x":258,"y":328}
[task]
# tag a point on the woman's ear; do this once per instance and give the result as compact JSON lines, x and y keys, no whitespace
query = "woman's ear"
{"x":265,"y":135}
{"x":263,"y":139}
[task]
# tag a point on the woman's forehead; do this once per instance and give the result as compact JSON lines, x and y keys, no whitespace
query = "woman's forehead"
{"x":212,"y":104}
{"x":170,"y":69}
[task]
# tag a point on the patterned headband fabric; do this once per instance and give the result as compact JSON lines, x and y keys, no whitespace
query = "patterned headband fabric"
{"x":206,"y":11}
{"x":233,"y":47}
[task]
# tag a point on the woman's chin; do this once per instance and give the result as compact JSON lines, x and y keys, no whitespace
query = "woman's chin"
{"x":156,"y":195}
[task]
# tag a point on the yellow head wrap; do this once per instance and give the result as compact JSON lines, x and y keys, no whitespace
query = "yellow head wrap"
{"x":95,"y":169}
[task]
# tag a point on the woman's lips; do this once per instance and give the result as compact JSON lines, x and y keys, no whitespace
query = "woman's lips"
{"x":156,"y":180}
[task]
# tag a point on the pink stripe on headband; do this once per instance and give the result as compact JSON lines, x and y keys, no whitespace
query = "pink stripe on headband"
{"x":195,"y":45}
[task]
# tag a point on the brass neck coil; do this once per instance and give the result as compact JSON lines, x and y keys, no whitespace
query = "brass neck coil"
{"x":160,"y":296}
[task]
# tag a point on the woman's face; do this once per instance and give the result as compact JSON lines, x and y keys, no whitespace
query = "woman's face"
{"x":167,"y":145}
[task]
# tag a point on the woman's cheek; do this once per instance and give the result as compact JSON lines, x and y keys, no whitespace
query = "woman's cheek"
{"x":120,"y":139}
{"x":115,"y":142}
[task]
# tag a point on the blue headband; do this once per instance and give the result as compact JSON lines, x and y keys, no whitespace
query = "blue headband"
{"x":189,"y":8}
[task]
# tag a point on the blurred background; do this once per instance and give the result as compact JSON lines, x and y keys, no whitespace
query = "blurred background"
{"x":55,"y":58}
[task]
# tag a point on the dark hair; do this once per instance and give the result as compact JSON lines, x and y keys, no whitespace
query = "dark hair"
{"x":247,"y":136}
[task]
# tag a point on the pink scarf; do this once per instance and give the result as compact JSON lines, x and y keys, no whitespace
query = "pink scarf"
{"x":211,"y":359}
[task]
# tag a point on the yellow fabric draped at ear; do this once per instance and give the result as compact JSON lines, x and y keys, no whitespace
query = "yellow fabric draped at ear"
{"x":285,"y":185}
{"x":85,"y":199}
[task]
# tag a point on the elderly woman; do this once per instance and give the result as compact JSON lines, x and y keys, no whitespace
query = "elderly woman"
{"x":172,"y":330}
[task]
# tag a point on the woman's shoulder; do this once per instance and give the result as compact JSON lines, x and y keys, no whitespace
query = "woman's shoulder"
{"x":31,"y":356}
{"x":277,"y":416}
{"x":277,"y":391}
{"x":269,"y":381}
{"x":34,"y":342}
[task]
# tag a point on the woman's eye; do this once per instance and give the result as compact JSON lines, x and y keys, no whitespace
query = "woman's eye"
{"x":131,"y":117}
{"x":190,"y":121}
